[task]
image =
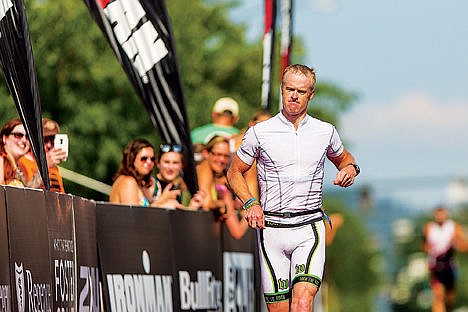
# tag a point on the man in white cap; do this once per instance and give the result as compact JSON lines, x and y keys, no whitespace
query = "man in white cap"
{"x":225,"y":115}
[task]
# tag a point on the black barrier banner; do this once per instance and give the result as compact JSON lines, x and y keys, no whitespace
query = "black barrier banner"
{"x":87,"y":295}
{"x":239,"y":272}
{"x":140,"y":34}
{"x":5,"y":287}
{"x":197,"y":248}
{"x":61,"y":250}
{"x":29,"y":250}
{"x":17,"y":62}
{"x":135,"y":252}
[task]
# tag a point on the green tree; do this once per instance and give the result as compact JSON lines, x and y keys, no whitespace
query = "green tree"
{"x":215,"y":59}
{"x":84,"y":88}
{"x":352,"y":265}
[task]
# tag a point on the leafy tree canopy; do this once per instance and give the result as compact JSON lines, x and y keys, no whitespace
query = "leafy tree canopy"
{"x":84,"y":88}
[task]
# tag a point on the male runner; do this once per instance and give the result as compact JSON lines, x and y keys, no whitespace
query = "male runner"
{"x":290,"y":150}
{"x":441,"y":238}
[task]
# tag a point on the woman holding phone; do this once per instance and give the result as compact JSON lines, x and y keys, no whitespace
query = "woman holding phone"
{"x":170,"y":163}
{"x":135,"y":184}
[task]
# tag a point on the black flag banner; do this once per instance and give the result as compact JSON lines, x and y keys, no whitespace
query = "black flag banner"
{"x":17,"y":62}
{"x":139,"y":32}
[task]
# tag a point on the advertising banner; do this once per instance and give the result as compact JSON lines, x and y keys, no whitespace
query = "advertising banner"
{"x":197,"y":247}
{"x":135,"y":252}
{"x":87,"y":286}
{"x":5,"y":287}
{"x":29,"y":250}
{"x":17,"y":63}
{"x":140,"y":34}
{"x":239,"y":271}
{"x":61,"y":250}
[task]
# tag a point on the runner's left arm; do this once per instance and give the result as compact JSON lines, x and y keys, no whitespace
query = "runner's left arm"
{"x":347,"y":172}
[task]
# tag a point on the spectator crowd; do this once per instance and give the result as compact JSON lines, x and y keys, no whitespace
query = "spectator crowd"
{"x":147,"y":176}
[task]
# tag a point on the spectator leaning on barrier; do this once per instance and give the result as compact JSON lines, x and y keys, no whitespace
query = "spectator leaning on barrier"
{"x":14,"y":145}
{"x":211,"y":174}
{"x":168,"y":179}
{"x":134,"y":183}
{"x":55,"y":156}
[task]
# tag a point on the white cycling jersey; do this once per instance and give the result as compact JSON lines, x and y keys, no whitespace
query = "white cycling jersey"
{"x":290,"y":163}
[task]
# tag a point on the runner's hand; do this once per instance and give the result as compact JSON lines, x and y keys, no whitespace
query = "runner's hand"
{"x":345,"y":177}
{"x":255,"y":217}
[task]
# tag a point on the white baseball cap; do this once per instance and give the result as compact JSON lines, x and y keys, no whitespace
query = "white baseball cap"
{"x":226,"y":104}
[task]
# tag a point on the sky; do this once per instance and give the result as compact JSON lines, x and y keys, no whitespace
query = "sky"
{"x":408,"y":63}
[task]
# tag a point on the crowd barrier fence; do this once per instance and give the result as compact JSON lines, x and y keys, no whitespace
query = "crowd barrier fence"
{"x":65,"y":253}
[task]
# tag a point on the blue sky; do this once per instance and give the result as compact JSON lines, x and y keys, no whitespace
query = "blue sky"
{"x":408,"y":62}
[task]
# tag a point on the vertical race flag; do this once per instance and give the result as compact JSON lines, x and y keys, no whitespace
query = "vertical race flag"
{"x":286,"y":36}
{"x":139,"y":32}
{"x":17,"y":62}
{"x":268,"y":48}
{"x":286,"y":33}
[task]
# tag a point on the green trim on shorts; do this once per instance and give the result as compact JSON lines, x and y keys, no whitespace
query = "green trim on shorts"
{"x":277,"y":297}
{"x":314,"y":247}
{"x":267,"y":261}
{"x":312,"y":279}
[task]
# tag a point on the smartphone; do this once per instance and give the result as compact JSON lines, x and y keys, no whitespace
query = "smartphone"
{"x":61,"y":141}
{"x":175,"y":187}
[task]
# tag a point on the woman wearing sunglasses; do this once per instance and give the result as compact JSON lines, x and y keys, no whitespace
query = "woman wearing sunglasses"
{"x":211,"y":173}
{"x":134,"y":184}
{"x":168,"y":180}
{"x":14,"y":145}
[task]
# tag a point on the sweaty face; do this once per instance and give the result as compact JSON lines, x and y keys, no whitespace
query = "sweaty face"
{"x":170,"y":165}
{"x":296,"y":94}
{"x":218,"y":157}
{"x":144,"y":161}
{"x":16,"y":143}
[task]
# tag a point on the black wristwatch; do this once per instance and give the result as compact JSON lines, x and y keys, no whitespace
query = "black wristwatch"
{"x":356,"y":167}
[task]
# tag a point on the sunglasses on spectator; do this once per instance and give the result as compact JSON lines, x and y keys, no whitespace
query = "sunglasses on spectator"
{"x":145,"y":158}
{"x":166,"y":148}
{"x":49,"y":139}
{"x":18,"y":135}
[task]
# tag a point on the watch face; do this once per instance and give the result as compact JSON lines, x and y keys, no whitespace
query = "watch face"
{"x":356,"y":167}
